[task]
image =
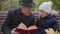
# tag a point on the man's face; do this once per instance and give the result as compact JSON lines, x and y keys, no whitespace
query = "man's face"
{"x":26,"y":10}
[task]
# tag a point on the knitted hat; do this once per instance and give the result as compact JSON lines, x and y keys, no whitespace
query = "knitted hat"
{"x":46,"y":6}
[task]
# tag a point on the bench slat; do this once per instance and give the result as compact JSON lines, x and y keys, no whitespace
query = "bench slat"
{"x":3,"y":15}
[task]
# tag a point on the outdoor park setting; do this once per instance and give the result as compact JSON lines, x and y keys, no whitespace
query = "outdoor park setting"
{"x":6,"y":5}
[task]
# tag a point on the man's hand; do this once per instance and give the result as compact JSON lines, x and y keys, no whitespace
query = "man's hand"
{"x":13,"y":31}
{"x":50,"y":31}
{"x":32,"y":27}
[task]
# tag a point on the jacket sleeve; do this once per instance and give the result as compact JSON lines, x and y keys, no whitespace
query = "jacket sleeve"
{"x":33,"y":20}
{"x":55,"y":24}
{"x":40,"y":30}
{"x":5,"y":27}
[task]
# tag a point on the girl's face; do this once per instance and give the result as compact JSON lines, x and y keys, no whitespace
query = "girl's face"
{"x":43,"y":13}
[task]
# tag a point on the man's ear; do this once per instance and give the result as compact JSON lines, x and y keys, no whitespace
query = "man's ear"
{"x":21,"y":6}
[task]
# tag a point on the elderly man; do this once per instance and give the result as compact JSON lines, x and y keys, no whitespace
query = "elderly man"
{"x":16,"y":16}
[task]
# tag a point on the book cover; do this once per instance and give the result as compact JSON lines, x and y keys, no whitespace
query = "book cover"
{"x":24,"y":30}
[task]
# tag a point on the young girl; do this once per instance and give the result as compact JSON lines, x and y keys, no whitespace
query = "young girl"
{"x":47,"y":19}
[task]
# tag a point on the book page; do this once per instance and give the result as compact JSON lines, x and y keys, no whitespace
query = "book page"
{"x":22,"y":26}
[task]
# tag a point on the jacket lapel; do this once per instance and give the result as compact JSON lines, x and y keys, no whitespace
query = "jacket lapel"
{"x":19,"y":14}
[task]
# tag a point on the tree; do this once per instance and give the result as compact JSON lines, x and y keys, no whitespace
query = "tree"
{"x":56,"y":4}
{"x":1,"y":4}
{"x":38,"y":3}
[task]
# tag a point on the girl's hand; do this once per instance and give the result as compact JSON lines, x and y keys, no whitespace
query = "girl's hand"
{"x":50,"y":31}
{"x":32,"y":27}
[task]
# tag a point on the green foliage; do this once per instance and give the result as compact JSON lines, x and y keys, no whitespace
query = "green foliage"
{"x":7,"y":4}
{"x":3,"y":0}
{"x":1,"y":3}
{"x":56,"y":4}
{"x":38,"y":3}
{"x":14,"y":4}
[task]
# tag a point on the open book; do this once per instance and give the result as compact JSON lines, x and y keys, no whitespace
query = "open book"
{"x":24,"y":30}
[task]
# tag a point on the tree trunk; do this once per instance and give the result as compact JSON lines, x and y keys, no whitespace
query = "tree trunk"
{"x":0,"y":6}
{"x":11,"y":3}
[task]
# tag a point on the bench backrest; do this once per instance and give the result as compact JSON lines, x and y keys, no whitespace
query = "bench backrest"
{"x":3,"y":15}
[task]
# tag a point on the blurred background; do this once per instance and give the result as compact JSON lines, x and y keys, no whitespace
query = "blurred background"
{"x":11,"y":4}
{"x":8,"y":4}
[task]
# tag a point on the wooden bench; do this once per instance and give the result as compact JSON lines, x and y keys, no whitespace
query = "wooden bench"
{"x":3,"y":15}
